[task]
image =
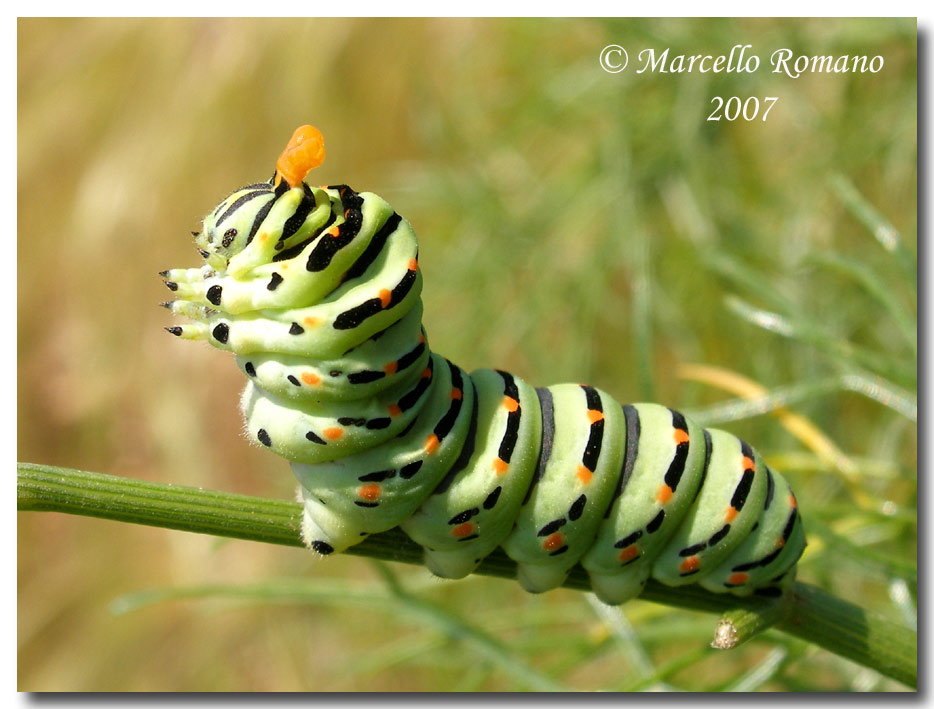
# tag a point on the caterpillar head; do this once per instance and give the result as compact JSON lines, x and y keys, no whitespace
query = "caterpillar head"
{"x":251,"y":211}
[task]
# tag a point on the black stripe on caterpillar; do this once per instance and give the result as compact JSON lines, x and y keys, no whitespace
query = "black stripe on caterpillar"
{"x":317,"y":292}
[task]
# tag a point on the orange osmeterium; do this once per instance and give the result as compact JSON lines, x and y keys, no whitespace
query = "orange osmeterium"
{"x":304,"y":152}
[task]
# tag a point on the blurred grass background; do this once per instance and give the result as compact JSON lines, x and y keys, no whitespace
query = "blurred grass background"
{"x":574,"y":226}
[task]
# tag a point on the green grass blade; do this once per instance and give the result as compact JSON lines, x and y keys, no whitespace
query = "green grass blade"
{"x":873,"y":284}
{"x":881,"y":229}
{"x":841,"y":351}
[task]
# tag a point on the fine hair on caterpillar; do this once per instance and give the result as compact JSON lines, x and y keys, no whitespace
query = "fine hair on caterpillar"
{"x":316,"y":290}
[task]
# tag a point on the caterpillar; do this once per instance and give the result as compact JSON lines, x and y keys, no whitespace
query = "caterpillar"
{"x":316,"y":290}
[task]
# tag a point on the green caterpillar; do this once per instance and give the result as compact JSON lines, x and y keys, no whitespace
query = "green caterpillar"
{"x":317,"y":292}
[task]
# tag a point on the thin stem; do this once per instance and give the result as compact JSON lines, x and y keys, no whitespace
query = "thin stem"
{"x":809,"y":613}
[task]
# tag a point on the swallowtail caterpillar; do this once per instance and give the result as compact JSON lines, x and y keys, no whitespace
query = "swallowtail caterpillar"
{"x":316,"y":290}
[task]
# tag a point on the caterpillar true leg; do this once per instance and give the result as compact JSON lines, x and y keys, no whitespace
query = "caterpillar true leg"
{"x":317,"y":292}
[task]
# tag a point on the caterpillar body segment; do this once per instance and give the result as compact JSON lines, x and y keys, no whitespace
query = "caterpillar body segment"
{"x":317,"y":292}
{"x":764,"y":556}
{"x":664,"y":465}
{"x":379,"y":488}
{"x":727,"y":506}
{"x":312,"y":433}
{"x":361,"y":373}
{"x":472,"y":511}
{"x":582,"y":452}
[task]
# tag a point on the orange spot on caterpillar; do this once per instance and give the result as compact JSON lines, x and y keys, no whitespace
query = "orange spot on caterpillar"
{"x":391,"y":368}
{"x":731,"y":513}
{"x":553,"y":541}
{"x":748,"y":464}
{"x":584,"y":474}
{"x":692,"y":563}
{"x":346,"y":213}
{"x":310,"y":379}
{"x":284,"y":267}
{"x":780,"y":543}
{"x":593,"y":415}
{"x":334,"y":231}
{"x":311,"y":321}
{"x":394,"y":410}
{"x":421,"y":339}
{"x":431,"y":443}
{"x":369,"y":492}
{"x":500,"y":466}
{"x":794,"y":502}
{"x":664,"y":494}
{"x":737,"y":579}
{"x":456,"y":394}
{"x":303,"y":153}
{"x":681,"y":436}
{"x":413,"y":265}
{"x":463,"y":530}
{"x":385,"y":297}
{"x":426,"y":374}
{"x":333,"y":433}
{"x":510,"y":404}
{"x":629,"y":553}
{"x":264,"y":236}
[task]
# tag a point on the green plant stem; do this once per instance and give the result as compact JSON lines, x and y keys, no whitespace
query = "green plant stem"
{"x":737,"y":625}
{"x":809,"y":613}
